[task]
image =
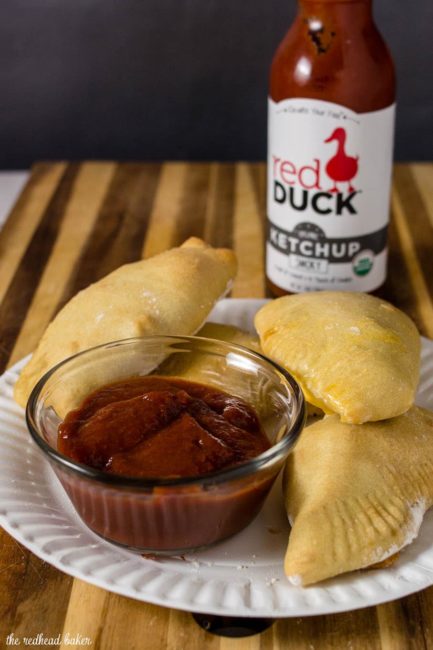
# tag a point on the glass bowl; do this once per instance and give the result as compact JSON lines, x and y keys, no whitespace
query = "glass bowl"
{"x":169,"y":515}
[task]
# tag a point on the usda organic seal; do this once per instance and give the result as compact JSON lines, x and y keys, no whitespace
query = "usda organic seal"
{"x":363,"y":262}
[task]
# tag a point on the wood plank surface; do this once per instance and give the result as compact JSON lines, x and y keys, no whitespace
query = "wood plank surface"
{"x":73,"y":224}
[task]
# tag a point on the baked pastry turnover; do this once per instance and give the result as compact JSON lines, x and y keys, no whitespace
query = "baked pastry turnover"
{"x":353,"y":354}
{"x":356,"y":494}
{"x":171,"y":293}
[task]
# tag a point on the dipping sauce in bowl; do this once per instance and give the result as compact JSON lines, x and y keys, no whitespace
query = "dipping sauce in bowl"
{"x":154,"y":462}
{"x":161,"y":428}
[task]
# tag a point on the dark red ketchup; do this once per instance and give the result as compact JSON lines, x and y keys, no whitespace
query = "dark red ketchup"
{"x":164,"y":428}
{"x":154,"y":427}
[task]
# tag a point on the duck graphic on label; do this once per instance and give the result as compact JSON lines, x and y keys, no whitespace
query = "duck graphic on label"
{"x":341,"y":168}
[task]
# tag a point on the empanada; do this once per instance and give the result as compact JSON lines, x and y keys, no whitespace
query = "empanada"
{"x":352,"y":354}
{"x":356,"y":494}
{"x":171,"y":293}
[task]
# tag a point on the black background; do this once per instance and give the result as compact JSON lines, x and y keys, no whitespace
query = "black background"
{"x":172,"y":79}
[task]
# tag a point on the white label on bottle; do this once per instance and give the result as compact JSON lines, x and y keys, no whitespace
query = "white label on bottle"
{"x":329,"y":175}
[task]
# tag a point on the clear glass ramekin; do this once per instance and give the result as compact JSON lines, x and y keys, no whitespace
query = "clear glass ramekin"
{"x":169,"y":515}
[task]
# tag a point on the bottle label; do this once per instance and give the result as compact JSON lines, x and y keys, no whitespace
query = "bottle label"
{"x":329,"y":176}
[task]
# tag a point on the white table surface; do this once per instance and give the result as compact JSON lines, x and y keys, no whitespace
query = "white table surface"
{"x":11,"y":184}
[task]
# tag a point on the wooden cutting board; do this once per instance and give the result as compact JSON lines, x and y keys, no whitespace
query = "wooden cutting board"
{"x":76,"y":222}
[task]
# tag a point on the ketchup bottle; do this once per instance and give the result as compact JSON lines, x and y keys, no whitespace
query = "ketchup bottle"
{"x":330,"y":142}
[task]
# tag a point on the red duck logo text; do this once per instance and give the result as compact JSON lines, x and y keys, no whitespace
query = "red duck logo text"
{"x":305,"y":187}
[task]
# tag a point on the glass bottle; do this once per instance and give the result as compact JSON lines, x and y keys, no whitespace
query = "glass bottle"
{"x":330,"y":142}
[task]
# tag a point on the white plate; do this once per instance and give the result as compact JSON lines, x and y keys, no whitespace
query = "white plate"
{"x":243,"y":576}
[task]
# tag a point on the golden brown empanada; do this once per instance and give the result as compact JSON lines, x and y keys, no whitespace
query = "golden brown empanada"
{"x":356,"y":494}
{"x":352,"y":354}
{"x":171,"y":293}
